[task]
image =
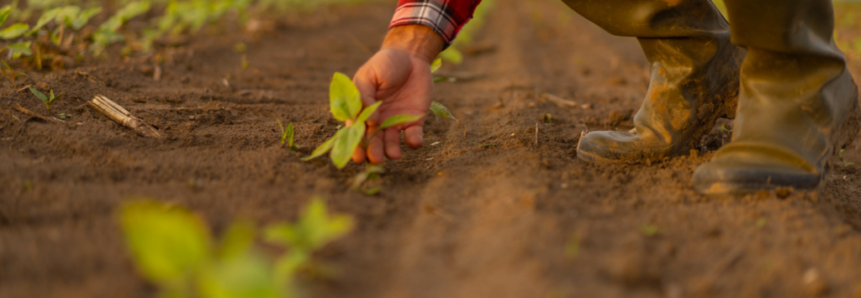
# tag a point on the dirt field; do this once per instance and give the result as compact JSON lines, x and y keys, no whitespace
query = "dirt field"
{"x":482,"y":210}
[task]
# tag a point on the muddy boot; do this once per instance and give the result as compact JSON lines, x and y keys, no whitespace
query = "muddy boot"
{"x":694,"y":76}
{"x":798,"y":103}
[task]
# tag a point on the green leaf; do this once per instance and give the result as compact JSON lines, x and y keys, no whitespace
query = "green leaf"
{"x":398,"y":120}
{"x":84,"y":17}
{"x":451,"y":55}
{"x":367,"y":112}
{"x":319,"y":227}
{"x":168,"y":243}
{"x":39,"y":94}
{"x":46,"y":17}
{"x":4,"y":13}
{"x":344,"y":99}
{"x":326,"y":146}
{"x":441,"y":111}
{"x":347,"y":144}
{"x":437,"y":63}
{"x":14,"y":31}
{"x":289,"y":132}
{"x":245,"y":275}
{"x":18,"y":49}
{"x":238,"y":239}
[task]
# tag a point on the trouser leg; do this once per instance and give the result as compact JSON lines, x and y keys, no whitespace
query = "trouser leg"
{"x":798,"y":102}
{"x":694,"y":75}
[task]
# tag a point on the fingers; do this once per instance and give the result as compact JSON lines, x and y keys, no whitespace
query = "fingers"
{"x":359,"y":155}
{"x":392,"y":141}
{"x":376,"y":152}
{"x":414,"y":136}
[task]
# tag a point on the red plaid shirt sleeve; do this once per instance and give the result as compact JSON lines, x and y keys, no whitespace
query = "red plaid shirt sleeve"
{"x":446,"y":17}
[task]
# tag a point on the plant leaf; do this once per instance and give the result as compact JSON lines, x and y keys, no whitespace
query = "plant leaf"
{"x":84,"y":17}
{"x":17,"y":49}
{"x":326,"y":146}
{"x":4,"y":13}
{"x":246,"y":275}
{"x":167,"y":243}
{"x":238,"y":239}
{"x":398,"y":120}
{"x":346,"y":144}
{"x":39,"y":94}
{"x":319,"y":227}
{"x":289,"y":132}
{"x":14,"y":31}
{"x":441,"y":111}
{"x":437,"y":63}
{"x":451,"y":55}
{"x":46,"y":17}
{"x":367,"y":112}
{"x":344,"y":99}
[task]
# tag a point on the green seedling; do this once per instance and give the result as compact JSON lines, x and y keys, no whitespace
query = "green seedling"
{"x":650,"y":230}
{"x":64,"y":116}
{"x":10,"y":73}
{"x":47,"y":100}
{"x":547,"y":118}
{"x":173,"y":248}
{"x":572,"y":247}
{"x":287,"y":136}
{"x":346,"y":105}
{"x":371,"y":173}
{"x":436,"y":107}
{"x":845,"y":164}
{"x":107,"y":33}
{"x":315,"y":228}
{"x":724,"y":129}
{"x":16,"y":50}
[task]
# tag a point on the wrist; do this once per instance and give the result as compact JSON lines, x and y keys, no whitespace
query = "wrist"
{"x":419,"y":40}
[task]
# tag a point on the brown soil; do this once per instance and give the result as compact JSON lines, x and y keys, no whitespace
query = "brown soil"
{"x":482,"y":210}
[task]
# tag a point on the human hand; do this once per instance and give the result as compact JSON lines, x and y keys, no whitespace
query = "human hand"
{"x":399,"y":75}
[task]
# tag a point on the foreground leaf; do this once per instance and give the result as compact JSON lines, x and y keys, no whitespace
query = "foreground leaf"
{"x":289,"y":132}
{"x":441,"y":111}
{"x":398,"y":120}
{"x":344,"y":99}
{"x":46,"y":17}
{"x":437,"y":63}
{"x":168,"y":243}
{"x":39,"y":94}
{"x":4,"y":13}
{"x":245,"y":275}
{"x":367,"y":112}
{"x":326,"y":146}
{"x":14,"y":31}
{"x":346,"y":144}
{"x":18,"y":49}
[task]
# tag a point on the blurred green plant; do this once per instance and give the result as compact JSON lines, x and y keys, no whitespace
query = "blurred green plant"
{"x":173,"y":249}
{"x":10,"y":73}
{"x":287,"y":136}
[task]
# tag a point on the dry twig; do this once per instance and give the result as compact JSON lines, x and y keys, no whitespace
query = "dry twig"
{"x":560,"y":101}
{"x":27,"y":112}
{"x":122,"y":116}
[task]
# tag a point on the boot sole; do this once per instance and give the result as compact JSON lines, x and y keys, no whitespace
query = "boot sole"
{"x":735,"y":182}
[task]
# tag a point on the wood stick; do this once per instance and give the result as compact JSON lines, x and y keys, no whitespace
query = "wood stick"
{"x":27,"y":112}
{"x":536,"y":134}
{"x":122,"y":116}
{"x":560,"y":101}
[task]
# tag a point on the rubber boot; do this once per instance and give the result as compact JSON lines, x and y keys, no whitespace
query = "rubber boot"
{"x":798,"y":103}
{"x":694,"y":69}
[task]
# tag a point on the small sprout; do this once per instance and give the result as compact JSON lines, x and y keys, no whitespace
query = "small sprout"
{"x":547,"y":118}
{"x":64,"y":116}
{"x":372,"y":172}
{"x":10,"y":73}
{"x":287,"y":136}
{"x":441,"y":111}
{"x":28,"y":186}
{"x":650,"y":230}
{"x":572,"y":247}
{"x":47,"y":100}
{"x":724,"y":129}
{"x":346,"y":105}
{"x":760,"y":223}
{"x":239,"y":47}
{"x":845,"y":164}
{"x":244,"y":61}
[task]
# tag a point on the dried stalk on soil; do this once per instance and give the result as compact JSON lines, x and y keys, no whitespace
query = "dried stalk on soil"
{"x":560,"y":101}
{"x":27,"y":112}
{"x":122,"y":116}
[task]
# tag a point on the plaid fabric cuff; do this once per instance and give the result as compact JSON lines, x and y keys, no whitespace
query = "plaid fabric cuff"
{"x":446,"y":17}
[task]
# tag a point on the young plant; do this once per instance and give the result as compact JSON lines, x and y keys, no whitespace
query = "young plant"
{"x":287,"y":136}
{"x":10,"y":73}
{"x":173,"y":249}
{"x":315,"y":228}
{"x":437,"y":108}
{"x":371,"y":173}
{"x":346,"y":105}
{"x":845,"y":164}
{"x":47,"y":100}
